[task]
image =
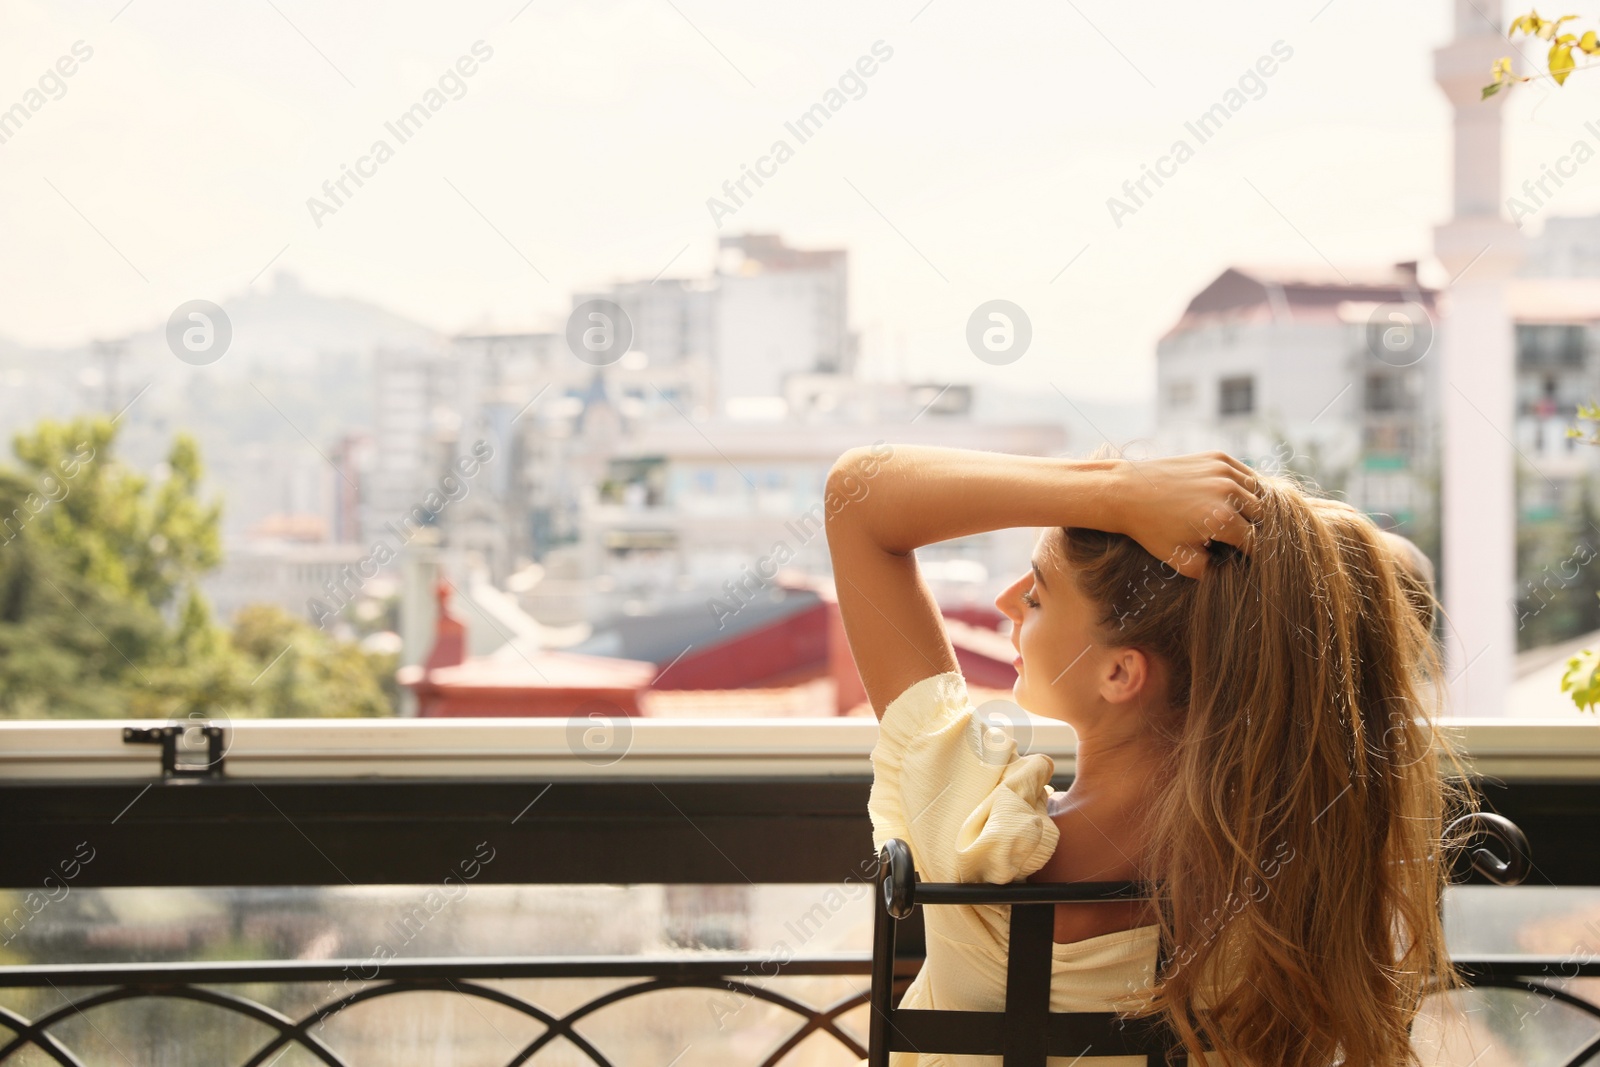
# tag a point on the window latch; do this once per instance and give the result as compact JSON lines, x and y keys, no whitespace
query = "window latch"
{"x":171,"y":738}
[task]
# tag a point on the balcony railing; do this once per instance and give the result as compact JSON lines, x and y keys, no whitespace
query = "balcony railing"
{"x":680,"y":803}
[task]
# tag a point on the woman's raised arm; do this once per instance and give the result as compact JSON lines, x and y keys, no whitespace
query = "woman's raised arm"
{"x":921,"y":494}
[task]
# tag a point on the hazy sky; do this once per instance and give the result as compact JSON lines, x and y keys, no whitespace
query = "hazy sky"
{"x":976,"y":165}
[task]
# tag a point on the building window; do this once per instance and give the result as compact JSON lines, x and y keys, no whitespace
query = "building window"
{"x":1180,"y":394}
{"x":1385,"y":392}
{"x":1549,"y":345}
{"x":1237,"y":395}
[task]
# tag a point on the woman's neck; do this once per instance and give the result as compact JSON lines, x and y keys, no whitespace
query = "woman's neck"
{"x":1113,"y":766}
{"x":1112,"y":785}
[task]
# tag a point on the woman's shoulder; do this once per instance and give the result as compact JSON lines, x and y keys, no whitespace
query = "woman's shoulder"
{"x":1094,"y":844}
{"x":971,"y":808}
{"x":1091,"y":848}
{"x":934,"y":706}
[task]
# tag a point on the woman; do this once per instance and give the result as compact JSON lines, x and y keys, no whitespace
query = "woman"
{"x":1247,"y":680}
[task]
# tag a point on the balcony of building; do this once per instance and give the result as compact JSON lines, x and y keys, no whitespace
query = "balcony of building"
{"x":629,"y":891}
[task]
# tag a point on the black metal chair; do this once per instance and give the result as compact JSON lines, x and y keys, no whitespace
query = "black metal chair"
{"x":1027,"y":1031}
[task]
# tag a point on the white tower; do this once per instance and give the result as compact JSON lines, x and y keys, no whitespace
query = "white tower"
{"x":1480,"y":250}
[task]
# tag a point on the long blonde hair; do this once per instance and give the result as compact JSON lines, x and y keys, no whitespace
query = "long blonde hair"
{"x":1295,"y":828}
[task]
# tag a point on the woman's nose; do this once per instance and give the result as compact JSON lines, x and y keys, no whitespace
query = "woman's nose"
{"x":1007,"y":599}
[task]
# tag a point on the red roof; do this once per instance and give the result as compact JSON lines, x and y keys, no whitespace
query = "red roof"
{"x":1298,"y":294}
{"x":805,"y":655}
{"x":539,"y":683}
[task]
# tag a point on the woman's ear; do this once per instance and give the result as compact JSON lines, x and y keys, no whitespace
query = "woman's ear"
{"x":1129,"y":676}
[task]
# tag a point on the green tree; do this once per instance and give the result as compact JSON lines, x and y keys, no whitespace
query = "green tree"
{"x":68,"y":645}
{"x":100,"y":610}
{"x":309,"y":674}
{"x":111,"y":525}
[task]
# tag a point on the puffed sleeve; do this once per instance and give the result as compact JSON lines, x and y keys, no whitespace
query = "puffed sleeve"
{"x":971,"y":809}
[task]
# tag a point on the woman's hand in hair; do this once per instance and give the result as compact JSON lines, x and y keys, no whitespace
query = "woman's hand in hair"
{"x":1176,"y":505}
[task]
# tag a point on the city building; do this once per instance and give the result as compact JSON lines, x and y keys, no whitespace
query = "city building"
{"x":1344,"y":380}
{"x":695,"y":513}
{"x":673,"y":319}
{"x":417,"y":414}
{"x":289,"y":574}
{"x":1304,"y":369}
{"x":780,"y":311}
{"x":653,"y":483}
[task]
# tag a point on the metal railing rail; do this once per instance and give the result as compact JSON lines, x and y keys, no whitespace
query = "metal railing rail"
{"x":82,"y":750}
{"x":198,"y":982}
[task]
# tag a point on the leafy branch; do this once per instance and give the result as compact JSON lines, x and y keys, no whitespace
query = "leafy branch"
{"x":1582,"y":677}
{"x":1560,"y":60}
{"x":1582,"y":680}
{"x":1586,"y":413}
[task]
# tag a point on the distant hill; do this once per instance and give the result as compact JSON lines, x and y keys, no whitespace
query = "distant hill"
{"x":297,"y":374}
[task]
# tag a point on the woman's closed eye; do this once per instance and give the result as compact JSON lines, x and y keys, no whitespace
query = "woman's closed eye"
{"x":1029,"y":599}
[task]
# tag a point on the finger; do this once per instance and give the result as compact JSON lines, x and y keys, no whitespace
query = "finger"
{"x":1240,"y":466}
{"x":1247,"y":504}
{"x":1244,"y":474}
{"x":1242,"y":493}
{"x":1237,"y":532}
{"x":1188,"y":560}
{"x":1206,"y":525}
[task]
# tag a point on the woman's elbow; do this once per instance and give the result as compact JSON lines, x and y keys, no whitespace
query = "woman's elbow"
{"x":849,"y":482}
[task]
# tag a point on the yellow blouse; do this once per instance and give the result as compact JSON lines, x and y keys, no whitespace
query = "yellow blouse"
{"x":973,"y":812}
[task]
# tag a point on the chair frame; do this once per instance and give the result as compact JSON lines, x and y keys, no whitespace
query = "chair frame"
{"x":1027,"y":1031}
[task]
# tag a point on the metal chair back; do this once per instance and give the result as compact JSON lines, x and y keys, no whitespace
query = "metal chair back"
{"x":1027,"y":1031}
